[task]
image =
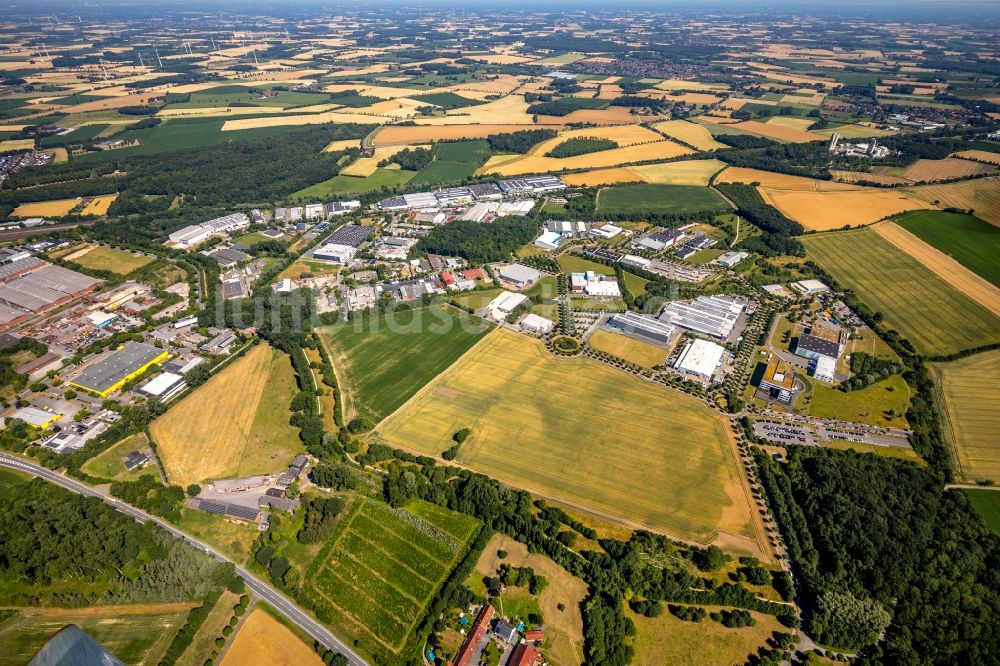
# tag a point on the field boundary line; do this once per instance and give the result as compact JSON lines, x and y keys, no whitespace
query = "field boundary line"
{"x":413,"y":545}
{"x":376,"y":574}
{"x":389,"y":556}
{"x":948,"y":429}
{"x":353,"y":620}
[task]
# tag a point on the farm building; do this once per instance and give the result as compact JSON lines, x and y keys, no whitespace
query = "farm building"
{"x":537,"y":324}
{"x":234,"y":511}
{"x":335,"y":253}
{"x":525,"y":655}
{"x":643,"y":327}
{"x":504,"y":304}
{"x":164,"y":386}
{"x":108,"y":374}
{"x":241,"y":484}
{"x":714,"y":316}
{"x":701,"y":358}
{"x":135,"y":460}
{"x":519,"y":275}
{"x":470,"y":648}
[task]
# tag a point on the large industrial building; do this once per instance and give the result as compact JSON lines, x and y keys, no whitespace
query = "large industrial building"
{"x":701,"y":358}
{"x":714,"y":316}
{"x":194,"y":234}
{"x":350,"y":234}
{"x":335,"y":252}
{"x":107,"y":375}
{"x":519,"y":275}
{"x":643,"y":327}
{"x":30,"y":286}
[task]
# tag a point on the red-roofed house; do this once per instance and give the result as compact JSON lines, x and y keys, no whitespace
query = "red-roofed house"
{"x":474,"y":274}
{"x":534,"y":635}
{"x":476,"y":633}
{"x":447,"y":278}
{"x":525,"y":655}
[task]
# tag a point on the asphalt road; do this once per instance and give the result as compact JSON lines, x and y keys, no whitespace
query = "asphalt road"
{"x":283,"y":604}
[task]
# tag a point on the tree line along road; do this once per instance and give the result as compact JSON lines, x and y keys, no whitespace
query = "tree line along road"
{"x":279,"y":601}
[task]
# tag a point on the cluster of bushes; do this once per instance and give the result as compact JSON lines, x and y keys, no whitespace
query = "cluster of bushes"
{"x":150,"y":495}
{"x":321,"y":515}
{"x":778,"y":229}
{"x":410,"y":159}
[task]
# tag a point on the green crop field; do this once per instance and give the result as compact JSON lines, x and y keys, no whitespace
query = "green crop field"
{"x":447,"y":100}
{"x":578,"y":431}
{"x":463,"y":151}
{"x":354,"y":185}
{"x":871,"y":404}
{"x":176,"y":135}
{"x":970,"y":241}
{"x":970,"y":400}
{"x":933,"y":315}
{"x":383,"y":566}
{"x":387,"y":358}
{"x":134,"y":634}
{"x":574,"y":263}
{"x":443,"y":171}
{"x":113,"y":260}
{"x":355,"y":101}
{"x":79,"y":135}
{"x":110,"y":463}
{"x":987,"y":504}
{"x":642,"y":198}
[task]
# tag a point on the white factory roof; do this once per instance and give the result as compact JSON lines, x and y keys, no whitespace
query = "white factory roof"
{"x":549,"y":240}
{"x":537,"y":323}
{"x":505,"y":303}
{"x":34,"y":416}
{"x":607,"y":231}
{"x":162,"y":383}
{"x":701,"y":357}
{"x":825,"y":368}
{"x":810,"y":286}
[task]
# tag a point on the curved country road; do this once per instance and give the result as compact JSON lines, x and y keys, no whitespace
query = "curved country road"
{"x":279,"y":601}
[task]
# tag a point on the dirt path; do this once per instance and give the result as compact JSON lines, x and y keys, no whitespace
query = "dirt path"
{"x":344,"y":388}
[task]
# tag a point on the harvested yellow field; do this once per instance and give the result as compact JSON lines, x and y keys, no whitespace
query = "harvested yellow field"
{"x":812,"y":100}
{"x":263,"y":641}
{"x":944,"y":266}
{"x":500,"y":58}
{"x":314,"y":119}
{"x":502,"y":85}
{"x":414,"y":134}
{"x":401,"y":107}
{"x":623,"y":135}
{"x":856,"y":176}
{"x":681,"y":84}
{"x":234,"y":424}
{"x":634,"y":351}
{"x":685,"y":172}
{"x":777,"y":132}
{"x":823,"y":211}
{"x":659,"y":150}
{"x":613,"y":115}
{"x":16,"y":144}
{"x":610,"y":92}
{"x":979,"y":156}
{"x":382,"y":92}
{"x":791,"y":122}
{"x":690,"y":133}
{"x":612,"y":176}
{"x":99,"y":205}
{"x":701,"y":99}
{"x":343,"y":144}
{"x":54,"y":208}
{"x":511,"y":109}
{"x":507,"y":389}
{"x":945,"y":169}
{"x":982,"y":196}
{"x":781,"y":181}
{"x":59,"y":155}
